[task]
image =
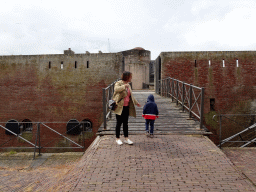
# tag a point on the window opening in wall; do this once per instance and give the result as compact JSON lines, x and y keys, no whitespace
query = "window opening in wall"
{"x":87,"y":64}
{"x":61,"y":65}
{"x":223,"y":63}
{"x":13,"y":126}
{"x":50,"y":65}
{"x":237,"y":63}
{"x":209,"y":62}
{"x":86,"y":125}
{"x":212,"y":104}
{"x":73,"y":127}
{"x":26,"y":125}
{"x":195,"y":64}
{"x":75,"y":64}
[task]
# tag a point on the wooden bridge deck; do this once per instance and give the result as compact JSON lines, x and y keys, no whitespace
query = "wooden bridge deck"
{"x":171,"y":118}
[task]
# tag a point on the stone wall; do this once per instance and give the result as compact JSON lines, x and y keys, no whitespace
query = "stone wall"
{"x":137,"y":61}
{"x":56,"y":87}
{"x":229,"y":78}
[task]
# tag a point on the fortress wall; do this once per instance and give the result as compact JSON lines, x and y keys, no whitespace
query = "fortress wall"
{"x":233,"y":87}
{"x":137,"y":62}
{"x":31,"y":89}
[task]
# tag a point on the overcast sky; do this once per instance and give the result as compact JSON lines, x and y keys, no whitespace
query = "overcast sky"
{"x":49,"y":27}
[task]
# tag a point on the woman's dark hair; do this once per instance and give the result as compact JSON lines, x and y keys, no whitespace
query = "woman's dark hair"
{"x":126,"y":75}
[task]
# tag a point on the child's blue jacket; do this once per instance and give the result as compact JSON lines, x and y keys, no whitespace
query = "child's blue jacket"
{"x":150,"y":110}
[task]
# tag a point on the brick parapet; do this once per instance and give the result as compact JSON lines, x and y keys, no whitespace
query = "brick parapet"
{"x":34,"y":89}
{"x":232,"y":85}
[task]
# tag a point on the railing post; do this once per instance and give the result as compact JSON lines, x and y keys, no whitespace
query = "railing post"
{"x":190,"y":101}
{"x":83,"y":139}
{"x":183,"y":96}
{"x":39,"y":140}
{"x":167,"y":80}
{"x":220,"y":130}
{"x":104,"y":108}
{"x":177,"y":95}
{"x":164,"y":87}
{"x":172,"y":90}
{"x":109,"y":97}
{"x":36,"y":142}
{"x":202,"y":108}
{"x":168,"y":87}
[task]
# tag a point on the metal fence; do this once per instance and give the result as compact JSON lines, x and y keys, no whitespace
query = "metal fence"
{"x":107,"y":95}
{"x":190,"y":97}
{"x":41,"y":135}
{"x":247,"y":124}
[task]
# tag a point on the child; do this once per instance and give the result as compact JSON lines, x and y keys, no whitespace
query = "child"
{"x":150,"y":113}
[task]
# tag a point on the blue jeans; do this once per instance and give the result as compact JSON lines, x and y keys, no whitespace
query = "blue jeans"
{"x":151,"y":122}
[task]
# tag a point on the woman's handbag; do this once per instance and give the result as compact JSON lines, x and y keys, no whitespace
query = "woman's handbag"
{"x":112,"y":104}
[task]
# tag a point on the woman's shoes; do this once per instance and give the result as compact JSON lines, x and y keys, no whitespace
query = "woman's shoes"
{"x":128,"y":141}
{"x":119,"y":142}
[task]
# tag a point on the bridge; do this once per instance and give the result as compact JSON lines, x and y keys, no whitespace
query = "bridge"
{"x":179,"y":158}
{"x":171,"y":119}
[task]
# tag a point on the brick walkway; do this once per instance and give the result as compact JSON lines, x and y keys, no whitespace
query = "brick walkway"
{"x":244,"y":160}
{"x":165,"y":163}
{"x":19,"y":173}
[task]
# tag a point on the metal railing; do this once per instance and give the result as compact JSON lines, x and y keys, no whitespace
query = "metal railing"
{"x":190,"y":97}
{"x":238,"y":137}
{"x":107,"y":95}
{"x":44,"y":136}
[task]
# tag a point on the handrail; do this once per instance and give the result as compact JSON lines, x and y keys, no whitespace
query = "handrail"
{"x":107,"y":95}
{"x":37,"y":142}
{"x":237,"y":134}
{"x":185,"y":95}
{"x":18,"y":136}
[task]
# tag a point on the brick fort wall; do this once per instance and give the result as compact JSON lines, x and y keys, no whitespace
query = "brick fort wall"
{"x":55,"y":88}
{"x":228,"y":77}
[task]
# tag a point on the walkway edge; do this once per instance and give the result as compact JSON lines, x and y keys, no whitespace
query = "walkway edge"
{"x":96,"y":140}
{"x":242,"y":174}
{"x":68,"y":183}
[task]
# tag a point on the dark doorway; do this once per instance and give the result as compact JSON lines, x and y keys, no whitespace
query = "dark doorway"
{"x":212,"y":104}
{"x":86,"y":125}
{"x":73,"y":127}
{"x":13,"y":126}
{"x":158,"y":75}
{"x":27,"y":125}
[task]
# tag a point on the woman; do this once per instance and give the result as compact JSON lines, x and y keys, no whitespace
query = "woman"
{"x":125,"y":106}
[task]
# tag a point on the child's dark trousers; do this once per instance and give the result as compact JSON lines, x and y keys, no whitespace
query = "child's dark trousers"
{"x":151,"y":123}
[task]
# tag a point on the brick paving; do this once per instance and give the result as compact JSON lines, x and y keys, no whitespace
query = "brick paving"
{"x":164,"y":163}
{"x":244,"y":160}
{"x":18,"y":173}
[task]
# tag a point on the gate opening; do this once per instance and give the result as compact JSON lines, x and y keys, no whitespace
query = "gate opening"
{"x":73,"y":127}
{"x":13,"y":126}
{"x":86,"y":125}
{"x":27,"y":125}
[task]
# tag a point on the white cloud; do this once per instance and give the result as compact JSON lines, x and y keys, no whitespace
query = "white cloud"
{"x":42,"y":27}
{"x":235,"y":30}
